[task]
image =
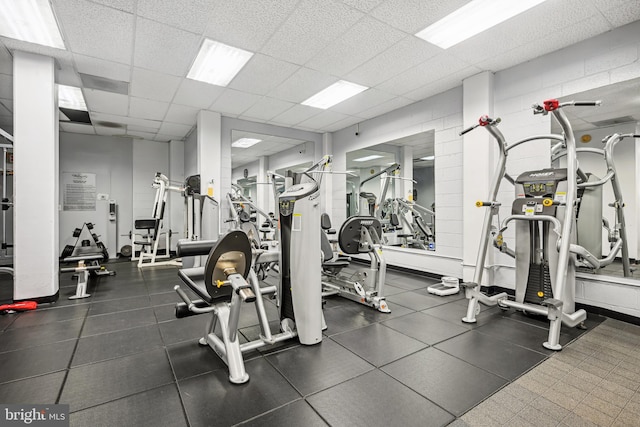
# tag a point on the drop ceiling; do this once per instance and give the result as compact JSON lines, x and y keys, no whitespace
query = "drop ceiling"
{"x":300,"y":46}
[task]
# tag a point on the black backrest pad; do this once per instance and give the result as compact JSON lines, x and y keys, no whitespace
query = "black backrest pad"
{"x":325,"y":221}
{"x":327,"y":251}
{"x":349,"y":236}
{"x":194,"y":247}
{"x":232,"y":250}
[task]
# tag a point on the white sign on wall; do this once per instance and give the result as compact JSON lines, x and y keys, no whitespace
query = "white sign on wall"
{"x":79,"y":191}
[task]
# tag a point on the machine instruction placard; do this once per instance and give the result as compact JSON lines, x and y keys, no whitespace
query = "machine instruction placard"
{"x":79,"y":191}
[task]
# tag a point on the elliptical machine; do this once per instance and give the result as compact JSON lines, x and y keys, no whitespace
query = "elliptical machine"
{"x":545,"y":215}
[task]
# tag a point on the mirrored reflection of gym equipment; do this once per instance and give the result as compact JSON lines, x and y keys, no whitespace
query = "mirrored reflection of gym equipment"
{"x":544,"y":212}
{"x":227,"y":281}
{"x":244,"y":215}
{"x":590,"y":216}
{"x":7,"y":158}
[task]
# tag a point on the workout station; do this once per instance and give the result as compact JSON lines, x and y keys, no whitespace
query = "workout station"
{"x":247,"y":213}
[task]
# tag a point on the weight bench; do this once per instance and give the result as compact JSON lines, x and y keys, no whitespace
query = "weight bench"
{"x":85,"y":264}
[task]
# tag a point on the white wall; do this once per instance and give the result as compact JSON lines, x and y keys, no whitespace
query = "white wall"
{"x":191,"y":154}
{"x":111,"y":160}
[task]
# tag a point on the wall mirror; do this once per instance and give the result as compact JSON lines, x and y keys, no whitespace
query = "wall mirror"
{"x":600,"y":224}
{"x":395,"y":182}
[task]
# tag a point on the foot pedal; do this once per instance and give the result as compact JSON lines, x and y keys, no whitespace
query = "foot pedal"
{"x":359,"y":289}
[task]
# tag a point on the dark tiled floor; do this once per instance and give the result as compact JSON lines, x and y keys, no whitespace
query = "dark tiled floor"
{"x":121,"y":358}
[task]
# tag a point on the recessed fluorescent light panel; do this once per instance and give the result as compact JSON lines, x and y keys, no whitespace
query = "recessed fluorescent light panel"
{"x":367,"y":158}
{"x":245,"y":142}
{"x":71,"y":97}
{"x":334,"y":94}
{"x":218,"y":63}
{"x":473,"y":18}
{"x":30,"y":21}
{"x":428,"y":158}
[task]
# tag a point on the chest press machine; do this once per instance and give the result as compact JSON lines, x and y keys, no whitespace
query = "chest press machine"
{"x":227,"y":282}
{"x":358,"y":235}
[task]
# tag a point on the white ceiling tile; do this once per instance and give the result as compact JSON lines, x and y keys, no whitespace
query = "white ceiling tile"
{"x":405,"y":54}
{"x":272,"y":72}
{"x":13,"y":44}
{"x":197,"y":94}
{"x":136,"y":128}
{"x":125,"y":5}
{"x":164,"y":138}
{"x":311,"y":26}
{"x":302,"y":84}
{"x":163,"y":48}
{"x":362,"y":101}
{"x":364,"y":5}
{"x":433,"y":69}
{"x":143,"y":135}
{"x":147,"y":109}
{"x":106,"y":102}
{"x":151,"y":85}
{"x":325,"y":118}
{"x":189,"y":15}
{"x":66,"y":73}
{"x":341,"y":124}
{"x":295,"y":115}
{"x":6,"y":61}
{"x":109,"y":131}
{"x":89,"y":28}
{"x":6,"y":86}
{"x":385,"y":107}
{"x":247,"y":24}
{"x":453,"y":80}
{"x":412,"y":16}
{"x":182,"y":114}
{"x":267,"y":108}
{"x":125,"y":120}
{"x":234,"y":102}
{"x":77,"y":128}
{"x":100,"y":67}
{"x":624,"y":14}
{"x":368,"y":38}
{"x":174,"y":129}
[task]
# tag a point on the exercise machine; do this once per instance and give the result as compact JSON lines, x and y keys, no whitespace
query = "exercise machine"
{"x":227,"y":282}
{"x":86,"y":255}
{"x":544,"y":212}
{"x":242,"y":210}
{"x":368,"y":205}
{"x":358,"y":235}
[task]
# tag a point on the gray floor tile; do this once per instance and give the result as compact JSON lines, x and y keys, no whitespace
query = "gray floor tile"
{"x":313,"y":368}
{"x":375,"y":399}
{"x":207,"y":397}
{"x":520,"y":333}
{"x":415,"y":300}
{"x":34,"y":361}
{"x":119,"y":321}
{"x":378,"y":344}
{"x":57,"y":314}
{"x":451,"y":383}
{"x":114,"y":306}
{"x":97,"y":383}
{"x":15,"y":339}
{"x":428,"y":329}
{"x":343,"y":318}
{"x":187,"y":329}
{"x":491,"y":354}
{"x":96,"y":348}
{"x":154,"y":408}
{"x":189,"y":358}
{"x":43,"y":389}
{"x":298,"y":413}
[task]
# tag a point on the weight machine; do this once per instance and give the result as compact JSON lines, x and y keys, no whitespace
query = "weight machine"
{"x":544,"y":212}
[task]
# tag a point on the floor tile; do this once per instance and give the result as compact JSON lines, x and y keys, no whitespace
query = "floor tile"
{"x":374,"y":315}
{"x":119,"y":321}
{"x":520,"y":333}
{"x":207,"y":397}
{"x":378,"y":344}
{"x":189,"y":358}
{"x":41,"y":317}
{"x":186,"y":329}
{"x":491,"y":354}
{"x":165,"y":313}
{"x":7,"y":319}
{"x":375,"y":399}
{"x":343,"y":318}
{"x":414,"y":300}
{"x":34,"y":361}
{"x":298,"y":413}
{"x":114,"y":306}
{"x":97,"y":383}
{"x":15,"y":339}
{"x":96,"y":348}
{"x":43,"y":389}
{"x":313,"y":368}
{"x":451,"y":383}
{"x":392,"y":290}
{"x":428,"y":329}
{"x":119,"y":291}
{"x":154,"y":408}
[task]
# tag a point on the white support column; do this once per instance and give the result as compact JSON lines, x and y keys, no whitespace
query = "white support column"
{"x":176,"y":200}
{"x":263,"y":190}
{"x":35,"y":189}
{"x":213,"y":160}
{"x":327,"y":181}
{"x":404,"y":186}
{"x":478,"y":167}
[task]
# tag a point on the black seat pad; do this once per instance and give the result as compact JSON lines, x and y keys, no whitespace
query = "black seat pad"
{"x":336,"y":264}
{"x":194,"y":278}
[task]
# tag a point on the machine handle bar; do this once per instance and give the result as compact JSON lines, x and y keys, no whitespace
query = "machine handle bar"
{"x":553,"y":104}
{"x":482,"y":121}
